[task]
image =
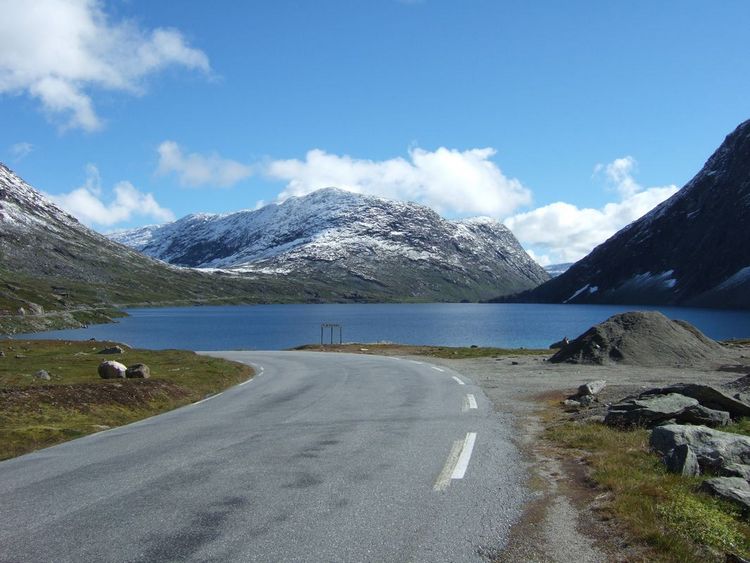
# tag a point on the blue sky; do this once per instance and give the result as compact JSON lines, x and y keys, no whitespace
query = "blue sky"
{"x":564,"y":119}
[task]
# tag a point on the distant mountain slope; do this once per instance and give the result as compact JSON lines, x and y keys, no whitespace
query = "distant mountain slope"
{"x":54,"y":270}
{"x":350,"y":240}
{"x":693,"y":249}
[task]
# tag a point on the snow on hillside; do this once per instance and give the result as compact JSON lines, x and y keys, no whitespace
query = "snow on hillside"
{"x":335,"y":226}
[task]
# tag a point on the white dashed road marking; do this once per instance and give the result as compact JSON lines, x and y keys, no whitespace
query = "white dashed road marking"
{"x":463,"y":460}
{"x":437,"y":368}
{"x":458,"y":380}
{"x":457,"y":463}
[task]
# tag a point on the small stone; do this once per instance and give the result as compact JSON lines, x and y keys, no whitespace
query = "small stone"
{"x":586,"y":400}
{"x":112,"y":350}
{"x":2,"y":354}
{"x":592,"y":388}
{"x":19,"y":356}
{"x":514,"y":363}
{"x":571,"y":403}
{"x":138,"y":371}
{"x":42,"y":374}
{"x":111,"y":370}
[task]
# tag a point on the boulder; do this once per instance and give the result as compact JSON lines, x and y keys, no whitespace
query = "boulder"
{"x":703,"y":415}
{"x":733,"y":489}
{"x":138,"y":371}
{"x":648,"y":411}
{"x":592,"y":388}
{"x":706,"y":395}
{"x":112,"y":350}
{"x":736,"y":470}
{"x":682,"y":460}
{"x":42,"y":374}
{"x":714,"y":449}
{"x":109,"y":369}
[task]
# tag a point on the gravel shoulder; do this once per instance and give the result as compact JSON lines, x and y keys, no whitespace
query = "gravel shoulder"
{"x":563,"y":521}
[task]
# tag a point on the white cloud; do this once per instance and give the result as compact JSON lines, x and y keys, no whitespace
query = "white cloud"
{"x":19,"y":151}
{"x":561,"y":232}
{"x":87,"y":205}
{"x":195,"y":169}
{"x":59,"y":50}
{"x":446,"y":179}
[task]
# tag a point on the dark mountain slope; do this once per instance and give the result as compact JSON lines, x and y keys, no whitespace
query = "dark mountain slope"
{"x":693,"y":249}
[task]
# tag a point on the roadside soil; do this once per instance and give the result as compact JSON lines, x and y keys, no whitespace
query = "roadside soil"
{"x":568,"y":519}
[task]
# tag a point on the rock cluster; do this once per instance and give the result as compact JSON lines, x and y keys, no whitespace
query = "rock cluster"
{"x":693,"y":450}
{"x":586,"y":394}
{"x":686,"y":403}
{"x":115,"y":370}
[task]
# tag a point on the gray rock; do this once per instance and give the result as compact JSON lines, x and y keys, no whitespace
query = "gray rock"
{"x":703,"y":415}
{"x":42,"y":374}
{"x":734,"y":489}
{"x":682,"y":460}
{"x":559,"y":344}
{"x":648,"y":411}
{"x":571,"y":403}
{"x":586,"y":400}
{"x":707,"y":396}
{"x":112,"y":350}
{"x":2,"y":354}
{"x":592,"y":388}
{"x":138,"y":371}
{"x":109,"y":369}
{"x":35,"y":308}
{"x":744,"y":397}
{"x":713,"y":448}
{"x":736,"y":470}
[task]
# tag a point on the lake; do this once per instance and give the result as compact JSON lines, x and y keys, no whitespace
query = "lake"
{"x":275,"y":327}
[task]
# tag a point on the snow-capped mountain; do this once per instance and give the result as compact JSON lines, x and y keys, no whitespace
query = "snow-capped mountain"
{"x":340,"y":237}
{"x":51,"y":262}
{"x":692,"y":249}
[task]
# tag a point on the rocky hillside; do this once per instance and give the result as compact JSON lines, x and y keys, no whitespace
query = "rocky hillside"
{"x":368,"y":244}
{"x":693,"y":249}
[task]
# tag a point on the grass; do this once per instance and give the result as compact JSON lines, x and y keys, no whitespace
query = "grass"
{"x":36,"y":413}
{"x":658,"y":508}
{"x":447,"y":352}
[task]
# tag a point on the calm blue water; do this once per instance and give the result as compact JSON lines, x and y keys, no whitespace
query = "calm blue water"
{"x":274,"y":327}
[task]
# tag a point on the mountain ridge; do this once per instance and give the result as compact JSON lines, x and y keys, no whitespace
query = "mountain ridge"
{"x":335,"y":235}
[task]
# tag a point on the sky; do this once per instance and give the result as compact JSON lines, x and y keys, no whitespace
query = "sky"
{"x":564,"y":120}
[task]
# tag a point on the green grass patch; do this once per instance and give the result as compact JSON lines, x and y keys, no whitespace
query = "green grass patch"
{"x":36,"y":413}
{"x":661,"y":509}
{"x":446,"y":352}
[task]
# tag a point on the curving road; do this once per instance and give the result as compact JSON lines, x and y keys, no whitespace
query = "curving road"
{"x":320,"y":457}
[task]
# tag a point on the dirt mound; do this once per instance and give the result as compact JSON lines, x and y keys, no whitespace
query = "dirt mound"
{"x":643,"y":339}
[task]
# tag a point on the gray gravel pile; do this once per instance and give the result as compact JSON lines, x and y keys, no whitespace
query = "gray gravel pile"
{"x":646,"y":339}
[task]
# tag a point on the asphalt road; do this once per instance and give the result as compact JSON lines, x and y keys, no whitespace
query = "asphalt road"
{"x":320,"y":457}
